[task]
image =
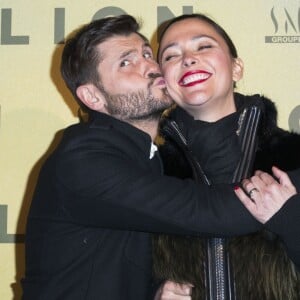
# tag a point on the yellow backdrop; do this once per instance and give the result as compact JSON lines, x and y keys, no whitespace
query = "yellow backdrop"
{"x":35,"y":105}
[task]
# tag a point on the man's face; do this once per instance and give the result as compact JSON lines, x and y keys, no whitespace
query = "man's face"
{"x":130,"y":79}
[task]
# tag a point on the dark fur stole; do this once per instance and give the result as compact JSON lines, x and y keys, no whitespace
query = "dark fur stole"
{"x":260,"y":265}
{"x":180,"y":259}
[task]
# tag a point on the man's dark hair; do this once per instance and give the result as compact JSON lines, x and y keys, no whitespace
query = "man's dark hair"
{"x":80,"y":57}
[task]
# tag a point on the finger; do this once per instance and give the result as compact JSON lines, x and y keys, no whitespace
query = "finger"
{"x":245,"y":199}
{"x":247,"y":185}
{"x":266,"y":178}
{"x":258,"y":182}
{"x":258,"y":185}
{"x":184,"y":290}
{"x":168,"y":295}
{"x":255,"y":208}
{"x":258,"y":172}
{"x":177,"y":288}
{"x":281,"y":176}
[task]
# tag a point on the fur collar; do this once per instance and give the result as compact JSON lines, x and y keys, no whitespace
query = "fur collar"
{"x":260,"y":265}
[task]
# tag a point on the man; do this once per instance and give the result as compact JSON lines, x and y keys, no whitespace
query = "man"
{"x":102,"y":192}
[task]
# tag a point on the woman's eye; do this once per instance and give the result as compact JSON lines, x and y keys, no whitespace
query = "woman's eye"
{"x":168,"y":57}
{"x":204,"y":47}
{"x":124,"y":63}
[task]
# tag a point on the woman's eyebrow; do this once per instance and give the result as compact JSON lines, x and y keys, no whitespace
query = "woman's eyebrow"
{"x":201,"y":36}
{"x":197,"y":37}
{"x":167,"y":47}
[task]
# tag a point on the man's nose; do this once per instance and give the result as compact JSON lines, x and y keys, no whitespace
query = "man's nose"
{"x":152,"y":68}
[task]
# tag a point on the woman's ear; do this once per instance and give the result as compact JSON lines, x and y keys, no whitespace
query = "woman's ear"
{"x":91,"y":96}
{"x":237,"y":69}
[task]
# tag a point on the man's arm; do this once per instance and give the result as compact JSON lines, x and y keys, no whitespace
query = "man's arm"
{"x":295,"y":178}
{"x":107,"y":190}
{"x":286,"y":223}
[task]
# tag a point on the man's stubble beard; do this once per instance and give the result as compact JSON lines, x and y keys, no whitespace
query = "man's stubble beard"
{"x":136,"y":106}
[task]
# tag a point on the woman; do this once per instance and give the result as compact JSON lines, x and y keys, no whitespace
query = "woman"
{"x":217,"y":136}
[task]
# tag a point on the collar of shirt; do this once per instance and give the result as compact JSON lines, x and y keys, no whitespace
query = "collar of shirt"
{"x":153,"y":149}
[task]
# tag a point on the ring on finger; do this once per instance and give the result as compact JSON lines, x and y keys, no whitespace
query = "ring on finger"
{"x":251,"y":192}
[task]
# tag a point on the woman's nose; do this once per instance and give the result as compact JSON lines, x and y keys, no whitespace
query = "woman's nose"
{"x":189,"y":59}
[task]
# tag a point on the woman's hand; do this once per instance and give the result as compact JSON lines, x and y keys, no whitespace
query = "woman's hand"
{"x":174,"y":291}
{"x":263,"y":196}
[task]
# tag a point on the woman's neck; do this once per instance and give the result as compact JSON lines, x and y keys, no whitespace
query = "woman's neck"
{"x":212,"y":112}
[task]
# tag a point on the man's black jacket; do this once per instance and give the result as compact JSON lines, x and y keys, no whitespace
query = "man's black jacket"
{"x":98,"y":197}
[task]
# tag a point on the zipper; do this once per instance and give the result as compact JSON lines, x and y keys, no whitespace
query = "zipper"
{"x":174,"y":132}
{"x":248,"y":143}
{"x":218,"y":272}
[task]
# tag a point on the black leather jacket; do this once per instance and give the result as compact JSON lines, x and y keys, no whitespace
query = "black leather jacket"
{"x":201,"y":261}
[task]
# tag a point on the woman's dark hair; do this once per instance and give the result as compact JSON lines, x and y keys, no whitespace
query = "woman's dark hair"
{"x":81,"y":56}
{"x":204,"y":18}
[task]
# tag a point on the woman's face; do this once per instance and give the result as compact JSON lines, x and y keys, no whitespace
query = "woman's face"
{"x":197,"y":66}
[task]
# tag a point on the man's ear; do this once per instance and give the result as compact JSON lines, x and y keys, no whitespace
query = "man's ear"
{"x":237,"y":69}
{"x":90,"y":95}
